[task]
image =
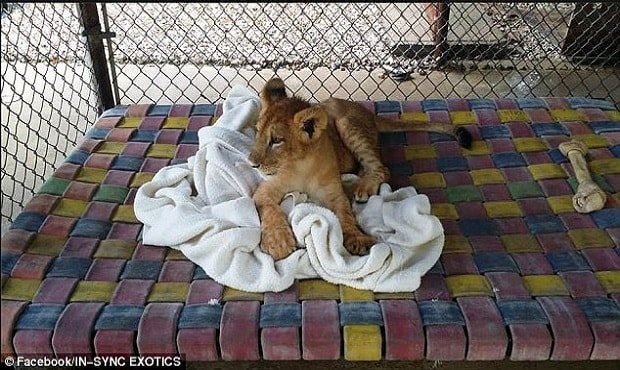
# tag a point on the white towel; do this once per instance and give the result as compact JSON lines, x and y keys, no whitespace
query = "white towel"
{"x":205,"y":209}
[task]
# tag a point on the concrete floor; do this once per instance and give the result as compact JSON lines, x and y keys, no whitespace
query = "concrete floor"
{"x":33,"y":96}
{"x":187,"y":84}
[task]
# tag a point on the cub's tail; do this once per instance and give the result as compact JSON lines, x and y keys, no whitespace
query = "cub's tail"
{"x":461,"y":135}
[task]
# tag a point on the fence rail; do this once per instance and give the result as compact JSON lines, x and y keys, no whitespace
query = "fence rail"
{"x":58,"y":58}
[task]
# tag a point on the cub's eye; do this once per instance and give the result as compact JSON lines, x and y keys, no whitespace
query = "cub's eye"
{"x":276,"y":141}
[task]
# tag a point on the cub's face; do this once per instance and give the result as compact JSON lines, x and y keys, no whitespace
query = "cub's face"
{"x":274,"y":141}
{"x":286,"y":128}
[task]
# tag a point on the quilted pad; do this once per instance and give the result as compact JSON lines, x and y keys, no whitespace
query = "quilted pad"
{"x":522,"y":275}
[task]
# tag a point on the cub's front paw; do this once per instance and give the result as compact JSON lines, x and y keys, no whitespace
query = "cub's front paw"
{"x":278,"y":242}
{"x":365,"y":189}
{"x":358,"y":243}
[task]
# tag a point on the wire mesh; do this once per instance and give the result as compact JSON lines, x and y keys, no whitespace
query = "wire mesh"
{"x":196,"y":52}
{"x":47,"y":96}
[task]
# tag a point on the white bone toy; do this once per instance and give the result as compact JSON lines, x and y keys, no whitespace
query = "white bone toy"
{"x":589,"y":196}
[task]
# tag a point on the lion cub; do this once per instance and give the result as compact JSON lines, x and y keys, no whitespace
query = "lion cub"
{"x":306,"y":148}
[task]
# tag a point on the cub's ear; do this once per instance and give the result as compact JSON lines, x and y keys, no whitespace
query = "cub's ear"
{"x":274,"y":90}
{"x":310,"y":123}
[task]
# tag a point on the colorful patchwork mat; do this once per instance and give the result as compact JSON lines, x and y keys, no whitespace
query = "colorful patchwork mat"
{"x":522,"y":276}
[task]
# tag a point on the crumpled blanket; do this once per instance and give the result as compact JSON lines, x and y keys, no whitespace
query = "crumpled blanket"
{"x":204,"y":208}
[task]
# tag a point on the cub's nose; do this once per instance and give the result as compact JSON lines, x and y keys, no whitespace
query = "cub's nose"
{"x":253,"y":162}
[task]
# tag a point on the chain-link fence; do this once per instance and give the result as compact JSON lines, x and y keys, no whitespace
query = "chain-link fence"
{"x":196,"y":52}
{"x":190,"y":53}
{"x":47,"y":96}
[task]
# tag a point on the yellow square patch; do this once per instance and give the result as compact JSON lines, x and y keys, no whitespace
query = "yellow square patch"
{"x":592,"y":141}
{"x":125,"y":213}
{"x":111,"y":148}
{"x":512,"y":115}
{"x":478,"y":147}
{"x":175,"y":255}
{"x":503,"y":209}
{"x":130,"y":122}
{"x":428,"y":180}
{"x":605,"y":166}
{"x":70,"y":208}
{"x":414,"y":117}
{"x":561,"y":204}
{"x":399,"y":295}
{"x":92,"y":175}
{"x":544,"y":285}
{"x":161,"y":151}
{"x":444,"y":211}
{"x":348,"y":294}
{"x":520,"y":243}
{"x":176,"y":122}
{"x":141,"y":178}
{"x":590,"y":238}
{"x":47,"y":245}
{"x":115,"y":248}
{"x":93,"y":291}
{"x":547,"y":171}
{"x":567,"y":115}
{"x":231,"y":294}
{"x":456,"y":244}
{"x":614,"y":115}
{"x":463,"y":118}
{"x":362,"y":342}
{"x":487,"y":176}
{"x":468,"y":286}
{"x":20,"y":289}
{"x":529,"y":144}
{"x":422,"y":151}
{"x":169,"y":292}
{"x":318,"y":289}
{"x":610,"y":280}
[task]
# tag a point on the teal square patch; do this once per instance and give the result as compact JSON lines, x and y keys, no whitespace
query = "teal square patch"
{"x":54,"y":186}
{"x":525,"y":189}
{"x":110,"y":193}
{"x":463,"y":193}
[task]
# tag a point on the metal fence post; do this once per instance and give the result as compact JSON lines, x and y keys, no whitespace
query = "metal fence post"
{"x":440,"y":28}
{"x":92,"y":30}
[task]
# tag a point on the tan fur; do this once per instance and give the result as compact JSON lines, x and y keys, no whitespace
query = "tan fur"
{"x":306,"y":148}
